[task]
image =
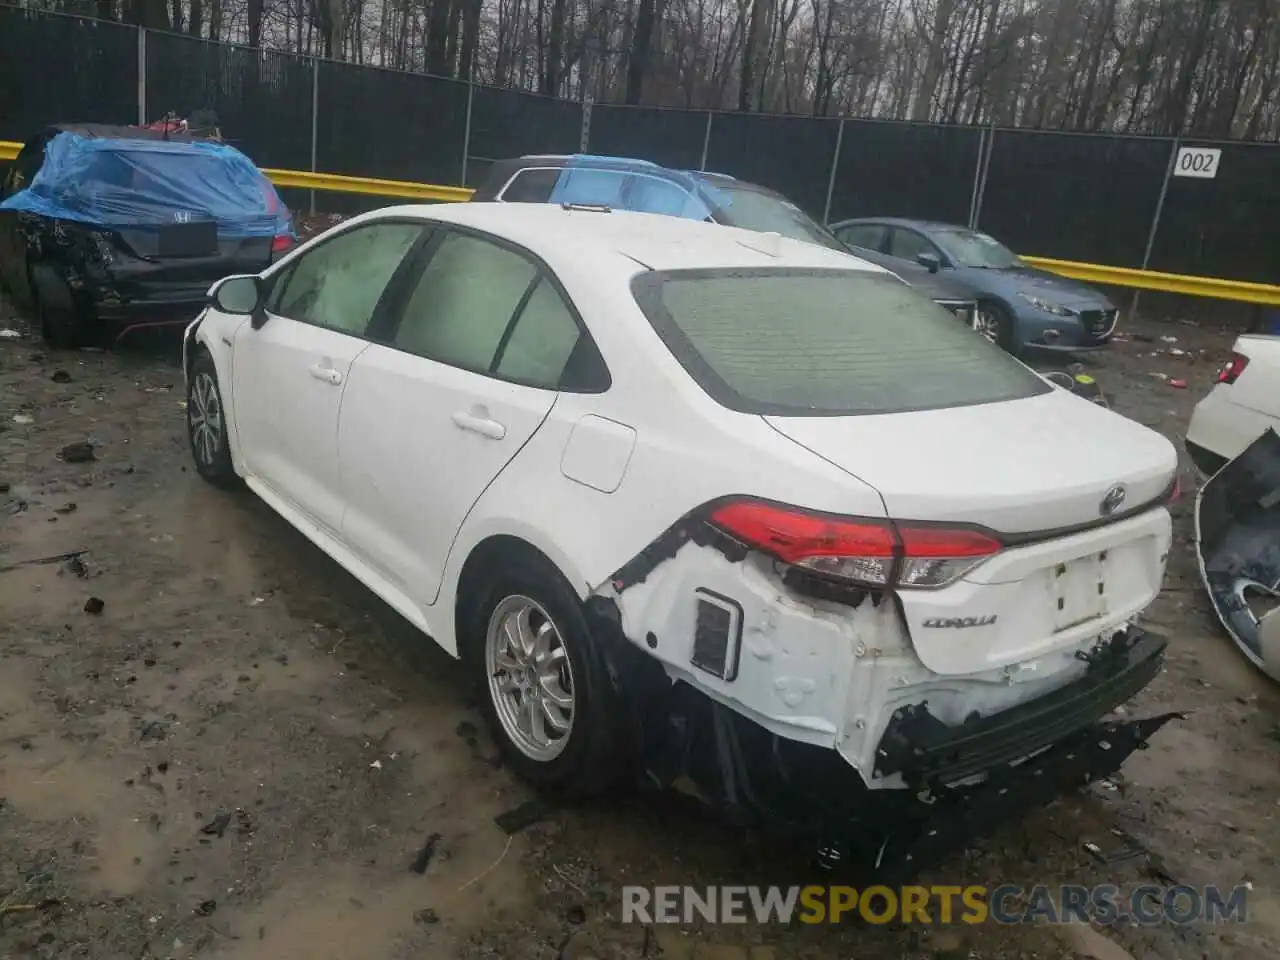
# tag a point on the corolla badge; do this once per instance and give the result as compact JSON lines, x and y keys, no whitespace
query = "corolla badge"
{"x":1112,"y":500}
{"x":959,"y":623}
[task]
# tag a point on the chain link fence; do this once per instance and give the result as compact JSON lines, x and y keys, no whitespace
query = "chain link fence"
{"x":1096,"y":198}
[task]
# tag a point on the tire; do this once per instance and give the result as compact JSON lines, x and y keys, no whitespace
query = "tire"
{"x":61,"y":320}
{"x":1001,"y":329}
{"x":207,"y":424}
{"x":586,"y":758}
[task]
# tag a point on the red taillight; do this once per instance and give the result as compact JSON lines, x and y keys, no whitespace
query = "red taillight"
{"x":863,"y":550}
{"x":1232,"y":369}
{"x":281,"y":244}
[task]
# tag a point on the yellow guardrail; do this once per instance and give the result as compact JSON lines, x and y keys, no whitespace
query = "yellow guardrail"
{"x":1166,"y":282}
{"x":369,"y":186}
{"x":1088,"y":272}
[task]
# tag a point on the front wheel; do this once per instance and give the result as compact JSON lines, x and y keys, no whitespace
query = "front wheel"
{"x":994,"y":322}
{"x":207,"y":423}
{"x":545,"y":694}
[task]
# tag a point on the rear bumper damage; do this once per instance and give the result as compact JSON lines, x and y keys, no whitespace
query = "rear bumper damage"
{"x":936,"y":787}
{"x":1238,"y":549}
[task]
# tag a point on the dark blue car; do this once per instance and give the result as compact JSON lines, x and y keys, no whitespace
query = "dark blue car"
{"x":107,"y":229}
{"x":1019,"y":307}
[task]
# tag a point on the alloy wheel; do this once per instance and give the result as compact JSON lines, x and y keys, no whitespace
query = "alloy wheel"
{"x":987,"y":323}
{"x":530,"y":678}
{"x":204,"y":411}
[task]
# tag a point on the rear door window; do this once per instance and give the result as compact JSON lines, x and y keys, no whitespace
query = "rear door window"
{"x":530,"y":186}
{"x":868,"y":236}
{"x":462,"y":305}
{"x":821,"y":342}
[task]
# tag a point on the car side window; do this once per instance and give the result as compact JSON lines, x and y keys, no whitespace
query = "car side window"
{"x":651,"y":195}
{"x":463,"y":302}
{"x":542,"y":341}
{"x":587,"y":186}
{"x":339,"y":283}
{"x":868,"y":236}
{"x":907,"y":244}
{"x":530,"y":186}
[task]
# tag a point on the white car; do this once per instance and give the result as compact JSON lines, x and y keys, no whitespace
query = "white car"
{"x":1242,"y":405}
{"x":740,"y":511}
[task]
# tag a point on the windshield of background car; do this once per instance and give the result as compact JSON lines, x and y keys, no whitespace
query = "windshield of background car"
{"x":968,"y":248}
{"x":750,"y":209}
{"x":821,"y":342}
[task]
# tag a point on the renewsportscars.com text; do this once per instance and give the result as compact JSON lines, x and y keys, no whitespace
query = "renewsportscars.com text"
{"x":1147,"y":905}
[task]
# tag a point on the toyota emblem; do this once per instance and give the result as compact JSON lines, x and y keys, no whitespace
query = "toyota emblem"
{"x":1112,"y":500}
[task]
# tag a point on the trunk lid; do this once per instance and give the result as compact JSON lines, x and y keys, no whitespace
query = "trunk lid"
{"x":1019,"y":467}
{"x":1042,"y":465}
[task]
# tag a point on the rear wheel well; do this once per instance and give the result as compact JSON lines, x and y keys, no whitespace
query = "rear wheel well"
{"x":499,"y":552}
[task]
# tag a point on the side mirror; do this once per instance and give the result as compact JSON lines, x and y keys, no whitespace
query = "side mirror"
{"x":930,"y":260}
{"x":239,"y":296}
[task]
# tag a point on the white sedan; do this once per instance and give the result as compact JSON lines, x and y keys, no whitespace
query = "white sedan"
{"x":737,"y":510}
{"x":1243,"y":404}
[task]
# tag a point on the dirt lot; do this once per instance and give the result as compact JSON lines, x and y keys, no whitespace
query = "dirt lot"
{"x":242,"y":754}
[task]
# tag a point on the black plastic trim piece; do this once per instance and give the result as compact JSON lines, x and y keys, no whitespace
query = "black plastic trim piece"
{"x":925,"y":750}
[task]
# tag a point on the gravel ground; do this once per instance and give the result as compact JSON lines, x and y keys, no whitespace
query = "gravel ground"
{"x":243,"y":751}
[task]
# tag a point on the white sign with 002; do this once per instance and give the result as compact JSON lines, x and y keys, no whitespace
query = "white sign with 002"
{"x":1201,"y":162}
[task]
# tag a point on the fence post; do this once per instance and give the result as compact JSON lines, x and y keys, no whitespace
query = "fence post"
{"x":977,"y":175}
{"x":466,"y":128}
{"x":1164,"y":189}
{"x":315,"y":121}
{"x":706,"y":142}
{"x":831,"y":180}
{"x":982,"y":183}
{"x":585,"y":139}
{"x":142,"y":77}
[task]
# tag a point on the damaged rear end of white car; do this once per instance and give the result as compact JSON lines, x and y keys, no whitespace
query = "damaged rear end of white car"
{"x":888,"y":680}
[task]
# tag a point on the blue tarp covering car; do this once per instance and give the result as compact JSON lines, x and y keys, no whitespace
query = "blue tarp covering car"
{"x":125,"y":226}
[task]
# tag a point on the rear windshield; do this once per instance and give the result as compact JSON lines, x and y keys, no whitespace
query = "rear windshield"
{"x":792,"y":342}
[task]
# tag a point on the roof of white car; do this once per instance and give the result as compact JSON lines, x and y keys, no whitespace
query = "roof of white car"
{"x":655,"y":241}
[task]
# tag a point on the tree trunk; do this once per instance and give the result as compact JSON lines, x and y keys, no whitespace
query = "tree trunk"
{"x":254,"y":11}
{"x":105,"y":9}
{"x":196,"y":20}
{"x":555,"y":50}
{"x":751,"y":53}
{"x":935,"y":60}
{"x":470,"y":38}
{"x":438,"y":39}
{"x":638,"y":60}
{"x":152,"y":14}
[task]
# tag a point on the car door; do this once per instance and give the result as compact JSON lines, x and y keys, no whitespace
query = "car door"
{"x":483,"y":342}
{"x":290,"y":373}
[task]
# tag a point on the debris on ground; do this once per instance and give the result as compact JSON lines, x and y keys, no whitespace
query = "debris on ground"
{"x":426,"y":915}
{"x":94,"y":605}
{"x":424,"y":855}
{"x":525,"y":815}
{"x":217,"y":826}
{"x":77,"y":453}
{"x":60,"y":376}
